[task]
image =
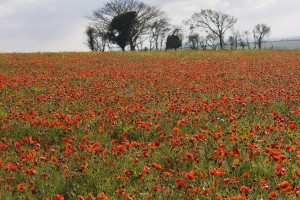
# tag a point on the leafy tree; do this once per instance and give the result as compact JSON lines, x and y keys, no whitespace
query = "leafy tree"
{"x":260,"y":32}
{"x":121,"y":28}
{"x":146,"y":16}
{"x":215,"y":23}
{"x":173,"y":42}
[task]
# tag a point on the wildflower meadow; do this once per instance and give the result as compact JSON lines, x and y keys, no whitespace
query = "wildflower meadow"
{"x":150,"y":125}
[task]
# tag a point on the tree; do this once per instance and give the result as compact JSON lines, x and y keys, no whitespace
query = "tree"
{"x":245,"y":39}
{"x":213,"y":22}
{"x":95,"y":41}
{"x":146,"y":15}
{"x":242,"y":44}
{"x":173,"y":42}
{"x":231,"y":41}
{"x":260,"y":32}
{"x":212,"y":41}
{"x":234,"y":39}
{"x":158,"y":31}
{"x":121,"y":28}
{"x":90,"y":32}
{"x":193,"y":41}
{"x":203,"y":42}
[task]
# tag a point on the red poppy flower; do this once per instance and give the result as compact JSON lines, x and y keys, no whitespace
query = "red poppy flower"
{"x":167,"y":174}
{"x":176,"y":131}
{"x":21,"y":187}
{"x":180,"y":184}
{"x":7,"y":187}
{"x":102,"y":196}
{"x":146,"y":170}
{"x":58,"y":197}
{"x":235,"y":152}
{"x":283,"y":185}
{"x":273,"y":194}
{"x":206,"y":192}
{"x":158,"y":167}
{"x":245,"y":189}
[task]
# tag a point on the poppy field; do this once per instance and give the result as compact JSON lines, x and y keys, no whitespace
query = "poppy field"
{"x":150,"y":125}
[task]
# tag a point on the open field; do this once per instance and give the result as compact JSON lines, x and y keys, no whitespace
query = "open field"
{"x":283,"y":45}
{"x":150,"y":125}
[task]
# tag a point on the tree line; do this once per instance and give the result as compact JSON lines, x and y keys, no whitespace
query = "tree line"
{"x":141,"y":27}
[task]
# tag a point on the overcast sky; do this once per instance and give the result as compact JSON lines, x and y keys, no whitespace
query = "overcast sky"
{"x":59,"y":25}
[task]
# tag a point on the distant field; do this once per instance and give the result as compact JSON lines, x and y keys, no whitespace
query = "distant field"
{"x":150,"y":125}
{"x":284,"y":45}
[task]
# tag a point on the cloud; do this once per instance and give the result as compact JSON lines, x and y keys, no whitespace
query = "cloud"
{"x":276,"y":13}
{"x":59,"y":25}
{"x":43,"y":25}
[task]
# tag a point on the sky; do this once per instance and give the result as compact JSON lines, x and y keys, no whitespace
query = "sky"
{"x":59,"y":25}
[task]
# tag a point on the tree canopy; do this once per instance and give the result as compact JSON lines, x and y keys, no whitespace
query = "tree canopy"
{"x":145,"y":17}
{"x":133,"y":22}
{"x":121,"y":28}
{"x":214,"y":22}
{"x":260,"y":32}
{"x":173,"y":42}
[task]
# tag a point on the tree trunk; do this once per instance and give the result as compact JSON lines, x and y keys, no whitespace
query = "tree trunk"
{"x":156,"y":43}
{"x":259,"y":43}
{"x":221,"y":42}
{"x":248,"y":45}
{"x":132,"y":46}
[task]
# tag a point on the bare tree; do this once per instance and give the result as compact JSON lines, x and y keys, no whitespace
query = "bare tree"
{"x":216,"y":23}
{"x":236,"y":35}
{"x":90,"y":32}
{"x":231,"y":41}
{"x":95,"y":41}
{"x":242,"y":44}
{"x":234,"y":39}
{"x":193,"y":41}
{"x":212,"y":41}
{"x":140,"y":42}
{"x":158,"y":32}
{"x":203,"y":42}
{"x":246,"y":36}
{"x":146,"y":15}
{"x":260,"y":32}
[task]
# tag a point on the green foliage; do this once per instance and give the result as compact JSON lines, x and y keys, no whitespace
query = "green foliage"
{"x":173,"y":42}
{"x":121,"y":27}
